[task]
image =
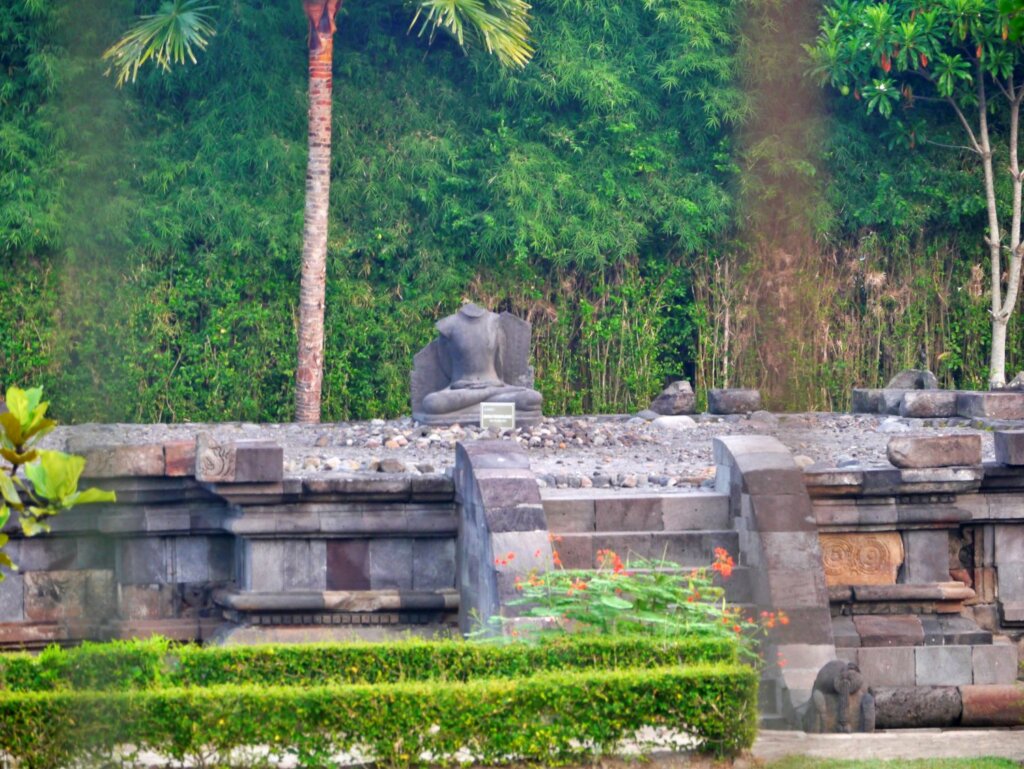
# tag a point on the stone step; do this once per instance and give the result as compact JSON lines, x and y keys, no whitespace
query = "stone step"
{"x":946,"y":665}
{"x":689,"y":549}
{"x":598,"y":510}
{"x":870,"y":630}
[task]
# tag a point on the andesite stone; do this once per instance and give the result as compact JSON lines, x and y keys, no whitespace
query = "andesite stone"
{"x":928,"y":404}
{"x":917,"y":706}
{"x":734,"y":400}
{"x":677,"y":398}
{"x":991,"y":405}
{"x":914,"y":379}
{"x":1009,"y":446}
{"x":124,"y":460}
{"x":993,"y":705}
{"x":922,"y":451}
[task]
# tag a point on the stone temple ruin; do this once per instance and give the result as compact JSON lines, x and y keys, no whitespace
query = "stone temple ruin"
{"x":904,"y":584}
{"x":912,"y":572}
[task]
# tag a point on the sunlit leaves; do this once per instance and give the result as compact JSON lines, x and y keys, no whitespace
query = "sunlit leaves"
{"x":168,"y":37}
{"x":501,"y":26}
{"x":52,"y":475}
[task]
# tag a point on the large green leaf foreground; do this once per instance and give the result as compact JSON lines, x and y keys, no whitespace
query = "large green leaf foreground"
{"x":553,"y":702}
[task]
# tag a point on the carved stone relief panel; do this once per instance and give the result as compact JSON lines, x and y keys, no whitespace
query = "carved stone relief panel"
{"x":861,"y":559}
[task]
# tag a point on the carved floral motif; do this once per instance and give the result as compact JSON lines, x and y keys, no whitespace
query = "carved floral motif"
{"x":861,"y":559}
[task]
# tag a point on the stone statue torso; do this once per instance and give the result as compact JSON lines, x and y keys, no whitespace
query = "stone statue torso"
{"x":472,"y":340}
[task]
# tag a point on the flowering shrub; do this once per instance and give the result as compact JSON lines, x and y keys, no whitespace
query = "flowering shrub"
{"x":645,"y":596}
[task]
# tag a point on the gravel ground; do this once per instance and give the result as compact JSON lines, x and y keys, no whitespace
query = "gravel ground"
{"x":600,"y":451}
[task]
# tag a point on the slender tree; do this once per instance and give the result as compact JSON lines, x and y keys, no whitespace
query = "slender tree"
{"x":172,"y":35}
{"x":964,"y":56}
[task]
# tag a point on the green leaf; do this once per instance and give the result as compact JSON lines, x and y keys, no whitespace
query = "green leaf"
{"x":9,"y":493}
{"x":32,"y":526}
{"x":18,"y":459}
{"x":89,"y":496}
{"x":55,"y":475}
{"x":21,"y":403}
{"x":168,"y":36}
{"x":614,"y":602}
{"x":5,"y":515}
{"x":12,"y":430}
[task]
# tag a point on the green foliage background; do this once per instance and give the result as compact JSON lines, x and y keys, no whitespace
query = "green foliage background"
{"x":150,"y":237}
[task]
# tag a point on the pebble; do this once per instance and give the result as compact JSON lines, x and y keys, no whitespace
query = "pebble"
{"x":570,"y":452}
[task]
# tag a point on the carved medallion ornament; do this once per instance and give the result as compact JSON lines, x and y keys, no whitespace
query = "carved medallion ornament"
{"x":861,"y":559}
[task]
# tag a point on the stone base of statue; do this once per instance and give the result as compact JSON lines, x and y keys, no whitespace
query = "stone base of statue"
{"x":479,"y":357}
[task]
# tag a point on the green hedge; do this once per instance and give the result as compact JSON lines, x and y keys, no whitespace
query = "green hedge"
{"x":134,"y":665}
{"x":551,"y":718}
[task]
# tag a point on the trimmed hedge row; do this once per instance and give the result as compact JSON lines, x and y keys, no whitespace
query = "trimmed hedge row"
{"x":136,"y":665}
{"x":551,"y":718}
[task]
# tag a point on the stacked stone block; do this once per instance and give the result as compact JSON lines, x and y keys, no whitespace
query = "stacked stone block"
{"x":503,"y":533}
{"x":778,"y":541}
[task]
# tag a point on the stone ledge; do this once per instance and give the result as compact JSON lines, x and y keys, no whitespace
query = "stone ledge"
{"x":338,"y":600}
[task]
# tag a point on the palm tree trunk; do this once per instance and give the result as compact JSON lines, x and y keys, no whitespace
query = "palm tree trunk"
{"x":310,"y":366}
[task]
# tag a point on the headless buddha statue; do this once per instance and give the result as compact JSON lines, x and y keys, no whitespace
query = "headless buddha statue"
{"x":479,"y":357}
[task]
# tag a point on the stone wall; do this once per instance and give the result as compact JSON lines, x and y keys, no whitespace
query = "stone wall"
{"x":206,"y":539}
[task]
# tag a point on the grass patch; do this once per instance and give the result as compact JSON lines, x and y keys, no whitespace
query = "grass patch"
{"x":805,"y":762}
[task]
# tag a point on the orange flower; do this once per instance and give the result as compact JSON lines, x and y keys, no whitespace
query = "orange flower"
{"x":555,"y":558}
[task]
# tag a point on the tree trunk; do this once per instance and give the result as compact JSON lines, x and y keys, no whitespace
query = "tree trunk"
{"x":309,"y":371}
{"x":997,"y":357}
{"x":997,"y":362}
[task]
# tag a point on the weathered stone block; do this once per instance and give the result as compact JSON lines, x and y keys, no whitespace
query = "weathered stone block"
{"x":927,"y":556}
{"x":180,"y":458}
{"x":733,"y":401}
{"x":783,"y":512}
{"x":12,"y":598}
{"x":569,"y":514}
{"x":628,"y":513}
{"x":576,"y":551}
{"x":943,"y":665}
{"x":144,"y":561}
{"x":433,"y":564}
{"x":995,"y":664}
{"x":348,"y":564}
{"x":807,"y":625}
{"x":928,"y":404}
{"x":921,"y":451}
{"x":861,"y":559}
{"x":281,"y":565}
{"x":881,"y":630}
{"x":991,"y":706}
{"x":695,"y":511}
{"x":892,"y":666}
{"x":1009,"y":446}
{"x":677,"y":398}
{"x":124,"y":460}
{"x":391,"y":564}
{"x":238,"y":461}
{"x":791,"y":550}
{"x":139,"y":602}
{"x":867,"y":401}
{"x":917,"y":707}
{"x":792,"y":588}
{"x":191,"y":559}
{"x":991,"y":405}
{"x":55,"y":596}
{"x":913,"y":379}
{"x":845,"y":632}
{"x":47,"y":554}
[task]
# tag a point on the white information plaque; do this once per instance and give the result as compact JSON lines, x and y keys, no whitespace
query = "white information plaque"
{"x":499,"y":415}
